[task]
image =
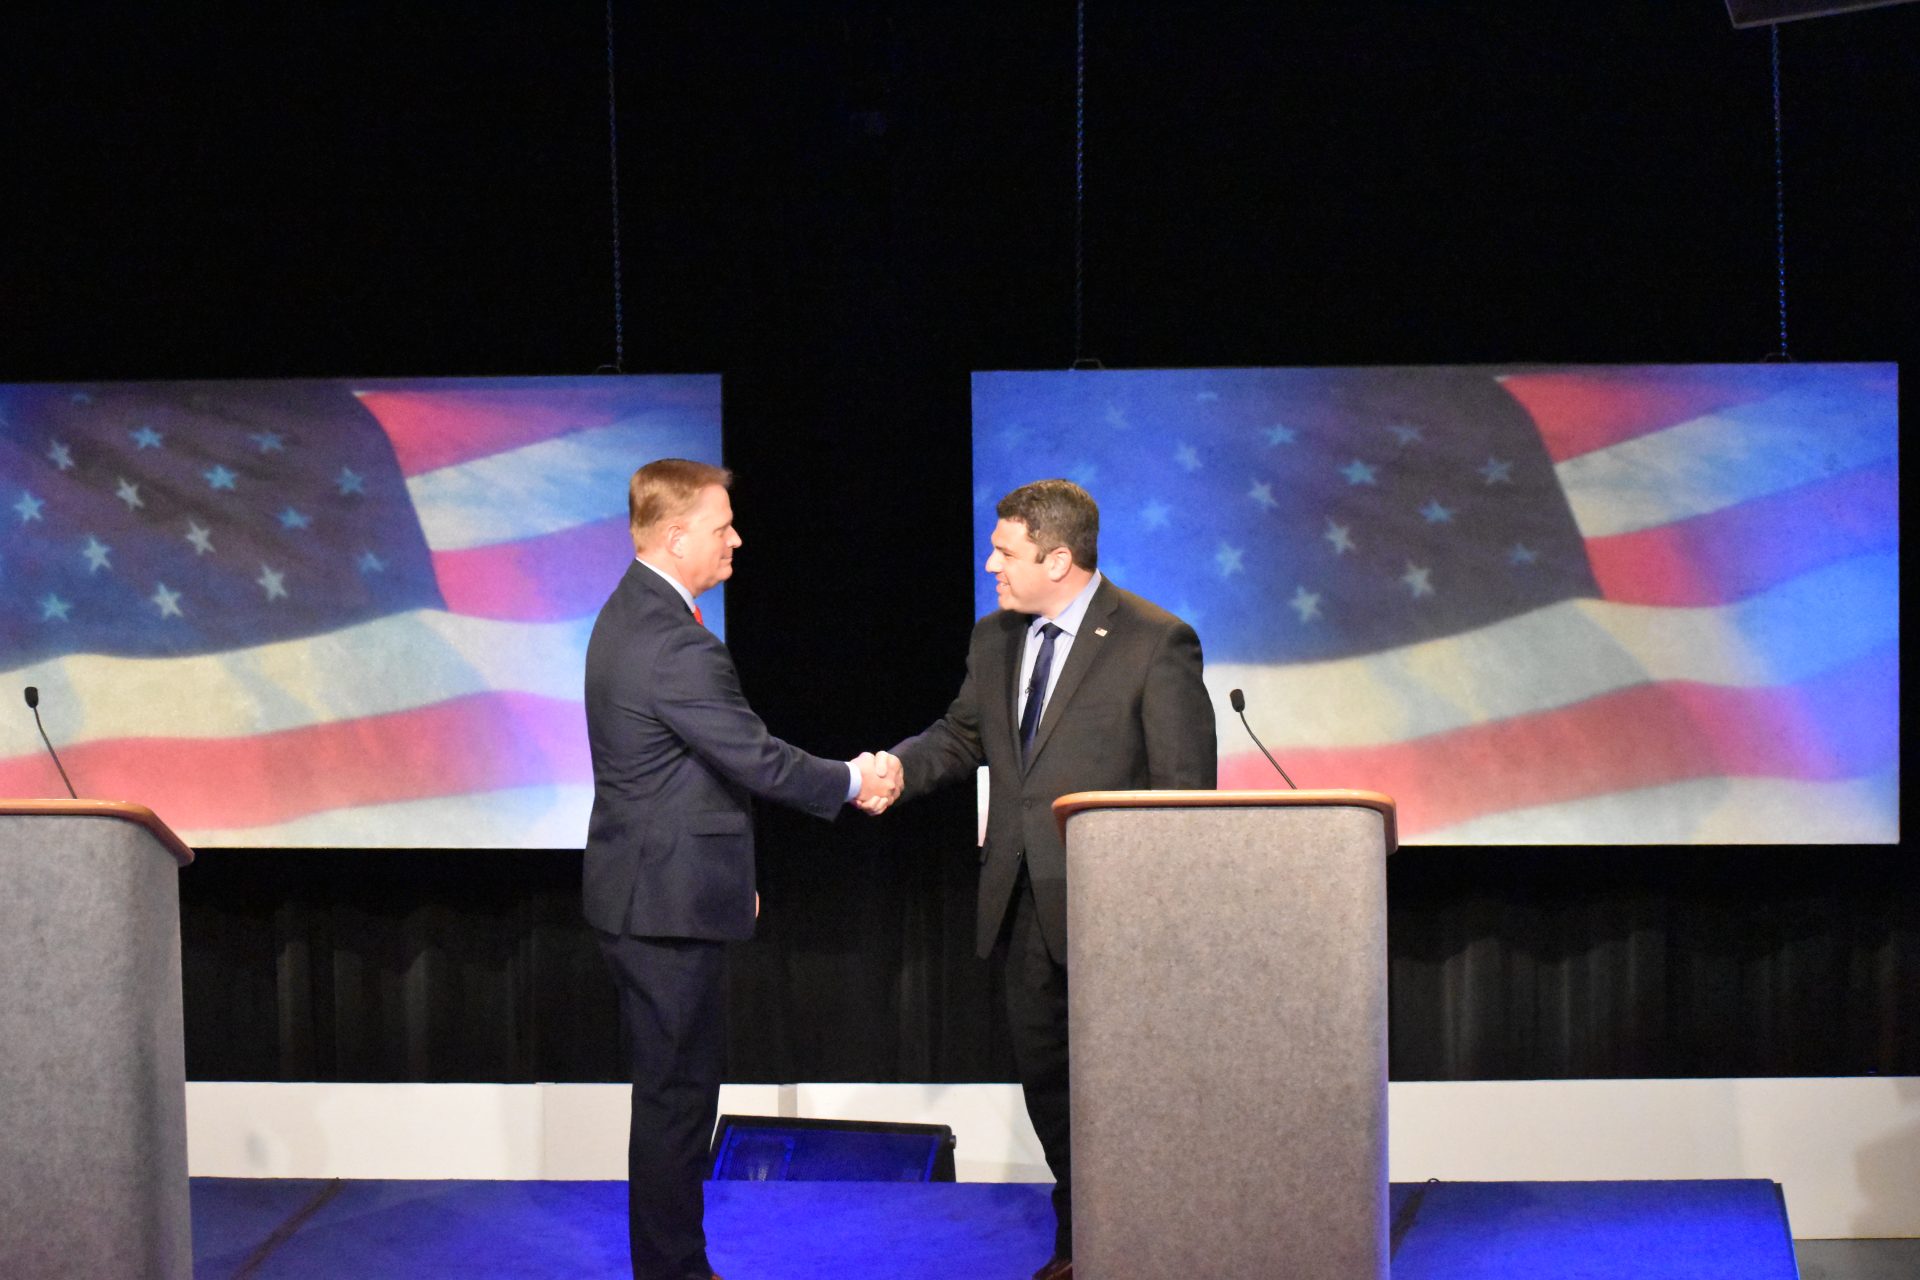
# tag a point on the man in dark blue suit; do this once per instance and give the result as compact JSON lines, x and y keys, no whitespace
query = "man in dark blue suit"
{"x":669,"y":875}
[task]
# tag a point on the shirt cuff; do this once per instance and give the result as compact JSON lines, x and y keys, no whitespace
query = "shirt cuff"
{"x":853,"y":782}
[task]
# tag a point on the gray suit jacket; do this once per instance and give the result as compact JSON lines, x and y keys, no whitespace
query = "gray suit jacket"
{"x":1128,"y":713}
{"x":677,"y":754}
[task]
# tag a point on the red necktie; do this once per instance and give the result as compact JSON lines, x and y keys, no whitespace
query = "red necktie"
{"x":696,"y":616}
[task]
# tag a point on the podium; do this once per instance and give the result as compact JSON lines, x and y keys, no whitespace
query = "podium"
{"x":1227,"y":1011}
{"x":93,"y":1125}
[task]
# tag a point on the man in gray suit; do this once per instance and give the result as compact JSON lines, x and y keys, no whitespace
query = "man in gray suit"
{"x":1072,"y":685}
{"x":669,"y":869}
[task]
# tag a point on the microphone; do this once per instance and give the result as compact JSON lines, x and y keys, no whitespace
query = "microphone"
{"x":1239,"y":701}
{"x":33,"y":703}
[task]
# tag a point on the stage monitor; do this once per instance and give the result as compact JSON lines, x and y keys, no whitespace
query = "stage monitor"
{"x":1568,"y":605}
{"x":343,"y":613}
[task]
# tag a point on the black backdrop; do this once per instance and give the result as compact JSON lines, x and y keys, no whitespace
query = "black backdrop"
{"x":846,"y":206}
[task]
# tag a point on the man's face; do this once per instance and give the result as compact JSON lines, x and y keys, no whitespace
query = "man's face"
{"x":704,"y":543}
{"x":1019,"y":576}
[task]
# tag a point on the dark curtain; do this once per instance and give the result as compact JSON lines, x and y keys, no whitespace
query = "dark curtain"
{"x":1543,"y":963}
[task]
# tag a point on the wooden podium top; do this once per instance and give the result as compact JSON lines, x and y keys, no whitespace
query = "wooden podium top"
{"x":138,"y":813}
{"x":1080,"y":801}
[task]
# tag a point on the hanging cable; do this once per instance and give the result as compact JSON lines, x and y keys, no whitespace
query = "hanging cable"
{"x":1079,"y":177}
{"x":1779,"y":201}
{"x":613,"y":167}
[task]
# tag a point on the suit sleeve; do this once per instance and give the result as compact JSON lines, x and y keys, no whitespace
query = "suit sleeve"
{"x":700,"y":700}
{"x":1177,"y":714}
{"x":948,"y":750}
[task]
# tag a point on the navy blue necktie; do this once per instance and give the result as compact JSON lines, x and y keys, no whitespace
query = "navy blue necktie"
{"x":1037,"y":689}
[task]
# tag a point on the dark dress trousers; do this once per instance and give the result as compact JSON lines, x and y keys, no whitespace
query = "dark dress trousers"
{"x":1128,"y":712}
{"x":669,"y":875}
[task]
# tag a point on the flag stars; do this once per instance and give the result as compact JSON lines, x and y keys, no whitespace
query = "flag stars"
{"x":146,"y":438}
{"x":1305,"y":603}
{"x":273,"y":583}
{"x":218,"y":477}
{"x":1086,"y":475}
{"x":1188,"y":457}
{"x":53,"y":608}
{"x":60,"y":455}
{"x":1340,"y":536}
{"x":1497,"y":471}
{"x":1418,"y":579}
{"x":294,"y":519}
{"x":1116,"y":417}
{"x":1155,"y":514}
{"x":29,"y":508}
{"x":96,"y":553}
{"x":167,"y":600}
{"x":351,"y":481}
{"x":129,"y":493}
{"x":371,"y":563}
{"x":1520,"y":553}
{"x":1279,"y":435}
{"x":1358,"y":472}
{"x":1262,"y":493}
{"x":269,"y":441}
{"x":202,"y":539}
{"x":1406,"y":434}
{"x":1434,"y":513}
{"x":1227,"y":560}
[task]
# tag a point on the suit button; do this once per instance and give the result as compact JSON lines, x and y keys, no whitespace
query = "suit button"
{"x":1028,"y":802}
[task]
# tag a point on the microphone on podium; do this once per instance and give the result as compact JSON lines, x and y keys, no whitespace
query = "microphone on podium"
{"x":1239,"y":701}
{"x":33,"y":704}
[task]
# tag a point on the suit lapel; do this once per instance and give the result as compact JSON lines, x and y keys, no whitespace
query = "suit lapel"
{"x":1087,"y":643}
{"x":1014,"y":650}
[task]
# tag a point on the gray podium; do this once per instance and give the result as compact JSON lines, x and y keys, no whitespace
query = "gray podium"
{"x":1228,"y":1017}
{"x":93,"y":1125}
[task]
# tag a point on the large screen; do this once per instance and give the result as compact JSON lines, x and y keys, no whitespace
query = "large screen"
{"x":323,"y":613}
{"x":1639,"y":604}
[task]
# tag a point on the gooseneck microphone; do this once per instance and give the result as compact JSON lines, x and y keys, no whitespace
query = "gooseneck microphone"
{"x":1239,"y":701}
{"x":33,"y":704}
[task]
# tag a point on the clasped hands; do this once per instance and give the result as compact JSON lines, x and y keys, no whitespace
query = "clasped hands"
{"x":880,"y":779}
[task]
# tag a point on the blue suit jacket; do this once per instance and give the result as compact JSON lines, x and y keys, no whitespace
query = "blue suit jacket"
{"x":677,"y":756}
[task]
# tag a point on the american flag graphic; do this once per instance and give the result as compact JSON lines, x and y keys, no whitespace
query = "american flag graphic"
{"x":1651,"y":604}
{"x":324,"y":612}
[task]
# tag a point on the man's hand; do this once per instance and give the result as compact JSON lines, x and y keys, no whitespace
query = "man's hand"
{"x":880,"y":780}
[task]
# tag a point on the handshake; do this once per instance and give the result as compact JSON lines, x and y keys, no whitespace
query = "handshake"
{"x":880,"y":779}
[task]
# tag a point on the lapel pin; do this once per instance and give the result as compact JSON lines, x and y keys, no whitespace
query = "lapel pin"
{"x":1099,"y":631}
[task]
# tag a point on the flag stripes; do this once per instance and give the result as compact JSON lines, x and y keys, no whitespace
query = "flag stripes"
{"x":1638,"y":737}
{"x":472,"y":744}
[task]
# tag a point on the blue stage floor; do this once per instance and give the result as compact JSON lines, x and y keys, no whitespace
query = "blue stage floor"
{"x":307,"y":1230}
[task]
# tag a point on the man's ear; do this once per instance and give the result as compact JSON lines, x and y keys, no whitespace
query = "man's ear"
{"x":1059,"y":564}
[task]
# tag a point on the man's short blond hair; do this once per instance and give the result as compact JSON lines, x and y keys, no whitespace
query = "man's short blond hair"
{"x":665,"y":490}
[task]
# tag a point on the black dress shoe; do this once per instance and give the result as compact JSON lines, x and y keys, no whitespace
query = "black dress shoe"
{"x":1058,"y":1269}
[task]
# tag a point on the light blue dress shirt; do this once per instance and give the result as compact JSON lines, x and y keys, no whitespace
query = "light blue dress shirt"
{"x":1069,"y":623}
